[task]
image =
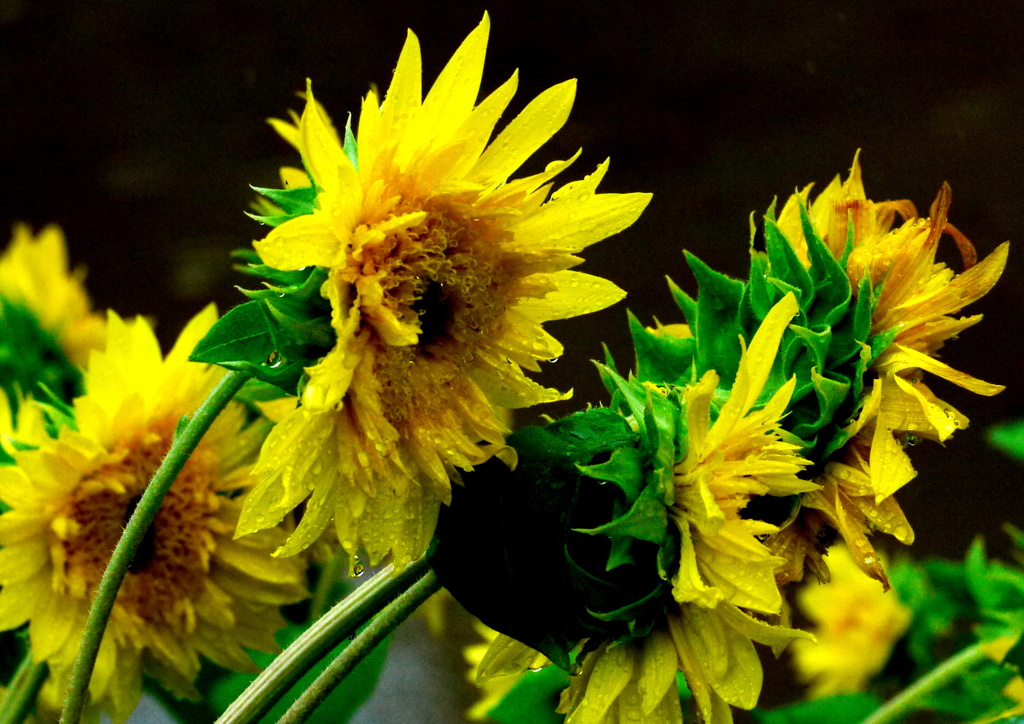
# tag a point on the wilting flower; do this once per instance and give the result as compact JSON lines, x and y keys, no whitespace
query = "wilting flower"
{"x":913,"y":303}
{"x":191,"y":589}
{"x":440,"y":273}
{"x":857,"y":624}
{"x":722,"y":447}
{"x":49,"y":325}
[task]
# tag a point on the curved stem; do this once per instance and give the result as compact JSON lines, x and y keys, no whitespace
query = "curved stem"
{"x":185,"y":441}
{"x":23,"y":691}
{"x":908,"y":700}
{"x":326,"y":632}
{"x":376,"y":631}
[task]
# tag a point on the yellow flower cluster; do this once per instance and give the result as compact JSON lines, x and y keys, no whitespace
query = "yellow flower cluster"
{"x":191,"y":589}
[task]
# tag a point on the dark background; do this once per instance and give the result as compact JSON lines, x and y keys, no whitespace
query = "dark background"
{"x":137,"y":127}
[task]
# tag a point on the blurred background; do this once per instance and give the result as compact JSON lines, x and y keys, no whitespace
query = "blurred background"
{"x":138,"y":127}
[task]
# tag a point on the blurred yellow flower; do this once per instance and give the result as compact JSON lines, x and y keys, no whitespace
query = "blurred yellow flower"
{"x":34,"y":273}
{"x":856,"y":622}
{"x":441,"y":271}
{"x":191,"y":589}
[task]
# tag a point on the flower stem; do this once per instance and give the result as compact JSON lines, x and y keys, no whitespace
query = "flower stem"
{"x":909,"y":699}
{"x":337,"y":624}
{"x":376,"y":631}
{"x":22,"y":693}
{"x":184,"y":443}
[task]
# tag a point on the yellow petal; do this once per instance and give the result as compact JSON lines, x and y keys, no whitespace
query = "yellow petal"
{"x":405,"y":94}
{"x":755,"y":365}
{"x":301,"y":242}
{"x":530,"y":130}
{"x":453,"y":94}
{"x":611,"y":674}
{"x":658,"y":666}
{"x":321,"y":151}
{"x":576,"y":293}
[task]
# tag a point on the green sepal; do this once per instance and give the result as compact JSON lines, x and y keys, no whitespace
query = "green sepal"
{"x":661,"y":358}
{"x":285,"y":328}
{"x":647,"y":519}
{"x":831,"y":286}
{"x":351,"y":146}
{"x":292,"y":203}
{"x":624,"y":468}
{"x":687,"y":305}
{"x":817,"y":343}
{"x":717,"y":329}
{"x":785,"y":264}
{"x":56,"y":412}
{"x":763,"y":295}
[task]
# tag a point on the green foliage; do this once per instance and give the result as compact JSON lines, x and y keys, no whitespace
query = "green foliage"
{"x":285,"y":204}
{"x":533,"y":699}
{"x":31,"y":359}
{"x":838,"y":709}
{"x":575,"y":543}
{"x":1009,"y":437}
{"x":285,"y":328}
{"x":827,"y":347}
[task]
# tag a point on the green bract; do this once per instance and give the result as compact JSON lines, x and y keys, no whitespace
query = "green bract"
{"x":573,"y":544}
{"x":31,"y":359}
{"x":828,"y":347}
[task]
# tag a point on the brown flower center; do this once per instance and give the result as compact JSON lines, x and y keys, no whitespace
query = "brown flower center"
{"x":171,"y":563}
{"x":450,"y":276}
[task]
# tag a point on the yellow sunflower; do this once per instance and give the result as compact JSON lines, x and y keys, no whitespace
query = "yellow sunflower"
{"x":34,"y":272}
{"x":724,"y":591}
{"x":857,"y":624}
{"x":191,"y":589}
{"x":441,"y":271}
{"x":916,"y":300}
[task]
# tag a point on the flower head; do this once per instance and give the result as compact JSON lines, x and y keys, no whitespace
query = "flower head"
{"x":49,"y":325}
{"x":913,"y":301}
{"x":635,"y":614}
{"x":191,"y":589}
{"x":856,"y":622}
{"x":439,"y":273}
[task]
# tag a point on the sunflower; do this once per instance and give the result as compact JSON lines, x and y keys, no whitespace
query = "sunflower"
{"x":857,"y":624}
{"x":440,"y":272}
{"x":49,"y":325}
{"x":914,"y":300}
{"x":723,"y":594}
{"x":191,"y":589}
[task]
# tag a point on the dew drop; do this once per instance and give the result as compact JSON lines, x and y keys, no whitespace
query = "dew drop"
{"x":358,"y":569}
{"x":576,"y":669}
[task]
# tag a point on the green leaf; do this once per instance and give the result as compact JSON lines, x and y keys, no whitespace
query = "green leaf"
{"x":1009,"y":437}
{"x":838,"y":709}
{"x":975,"y":693}
{"x":533,"y":699}
{"x":243,"y":335}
